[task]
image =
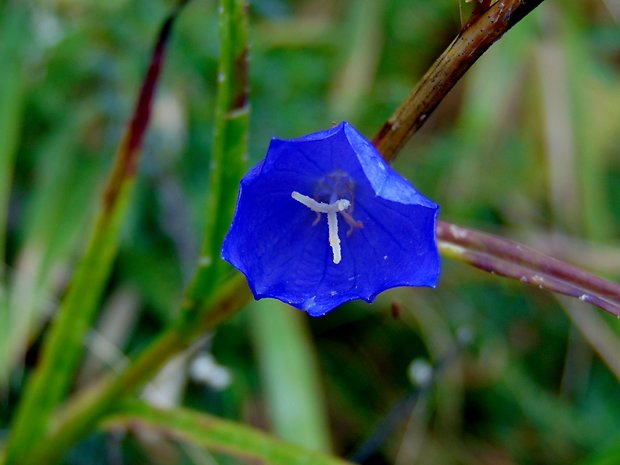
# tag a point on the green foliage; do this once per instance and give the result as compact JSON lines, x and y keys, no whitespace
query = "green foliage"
{"x":525,"y":145}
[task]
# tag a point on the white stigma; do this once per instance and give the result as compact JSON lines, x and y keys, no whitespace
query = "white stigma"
{"x":332,"y":218}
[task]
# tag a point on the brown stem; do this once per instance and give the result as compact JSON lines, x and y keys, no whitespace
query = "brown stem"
{"x":483,"y":29}
{"x":511,"y":259}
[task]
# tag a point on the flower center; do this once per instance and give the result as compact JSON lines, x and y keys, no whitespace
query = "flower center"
{"x":336,"y":191}
{"x":336,"y":185}
{"x":331,"y":209}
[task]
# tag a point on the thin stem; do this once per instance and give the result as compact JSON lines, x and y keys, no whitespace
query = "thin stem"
{"x":513,"y":260}
{"x":230,"y":145}
{"x":482,"y":31}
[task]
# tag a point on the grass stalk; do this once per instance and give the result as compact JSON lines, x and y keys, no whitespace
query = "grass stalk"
{"x":216,"y":434}
{"x":290,"y":377}
{"x":229,"y":148}
{"x":82,"y":414}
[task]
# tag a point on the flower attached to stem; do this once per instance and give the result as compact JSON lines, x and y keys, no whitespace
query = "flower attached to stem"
{"x":277,"y":239}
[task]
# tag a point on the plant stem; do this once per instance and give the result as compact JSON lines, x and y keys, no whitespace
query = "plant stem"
{"x":495,"y":255}
{"x":232,"y":116}
{"x":482,"y":31}
{"x":83,"y":413}
{"x":511,"y":259}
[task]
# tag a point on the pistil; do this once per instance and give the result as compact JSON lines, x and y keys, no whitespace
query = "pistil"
{"x":331,"y":209}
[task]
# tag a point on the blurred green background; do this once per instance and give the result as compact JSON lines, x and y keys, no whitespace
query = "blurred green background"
{"x":526,"y":146}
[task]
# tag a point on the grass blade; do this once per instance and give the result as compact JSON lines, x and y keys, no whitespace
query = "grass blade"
{"x":82,"y":414}
{"x":64,"y":343}
{"x":216,"y":434}
{"x":229,"y":148}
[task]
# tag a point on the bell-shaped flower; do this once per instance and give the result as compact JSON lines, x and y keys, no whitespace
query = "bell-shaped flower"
{"x":323,"y":220}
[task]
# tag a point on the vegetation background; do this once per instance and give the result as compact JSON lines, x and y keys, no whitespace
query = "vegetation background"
{"x":527,"y":146}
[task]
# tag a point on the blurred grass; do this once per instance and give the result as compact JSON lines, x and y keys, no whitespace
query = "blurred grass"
{"x":526,"y":392}
{"x":292,"y":386}
{"x":217,"y":435}
{"x":13,"y":20}
{"x":63,"y":345}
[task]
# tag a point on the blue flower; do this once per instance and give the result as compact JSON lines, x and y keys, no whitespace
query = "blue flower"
{"x":323,"y":220}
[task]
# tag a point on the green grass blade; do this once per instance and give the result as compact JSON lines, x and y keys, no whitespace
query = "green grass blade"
{"x":56,"y":215}
{"x":64,"y":343}
{"x":217,"y":435}
{"x":229,"y":148}
{"x":290,"y":375}
{"x":82,"y":414}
